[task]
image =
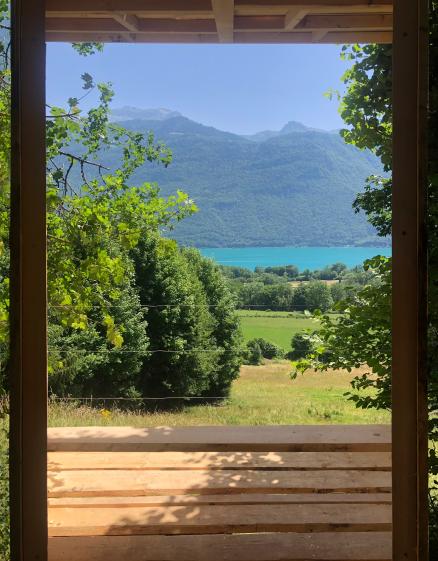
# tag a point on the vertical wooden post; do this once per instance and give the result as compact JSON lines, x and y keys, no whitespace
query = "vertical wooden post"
{"x":409,"y":413}
{"x":28,"y":285}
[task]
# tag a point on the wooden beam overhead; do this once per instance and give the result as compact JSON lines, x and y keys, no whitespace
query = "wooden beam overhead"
{"x":293,"y":17}
{"x":313,"y":4}
{"x":317,"y":36}
{"x":129,"y":26}
{"x":128,"y":21}
{"x":223,"y":11}
{"x":353,"y":21}
{"x":127,"y":6}
{"x":247,"y":37}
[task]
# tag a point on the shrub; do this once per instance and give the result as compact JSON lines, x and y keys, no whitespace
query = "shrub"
{"x":269,"y":350}
{"x":253,"y":353}
{"x":302,"y":345}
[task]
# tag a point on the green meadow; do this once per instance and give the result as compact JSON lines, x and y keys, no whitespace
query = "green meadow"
{"x":275,"y":327}
{"x":263,"y":395}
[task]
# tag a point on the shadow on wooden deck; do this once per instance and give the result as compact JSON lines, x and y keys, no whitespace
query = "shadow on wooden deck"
{"x":220,"y":493}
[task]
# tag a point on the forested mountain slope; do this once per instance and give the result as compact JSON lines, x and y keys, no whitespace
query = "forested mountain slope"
{"x":291,"y":187}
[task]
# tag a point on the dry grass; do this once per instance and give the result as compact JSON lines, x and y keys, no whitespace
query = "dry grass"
{"x":263,"y":395}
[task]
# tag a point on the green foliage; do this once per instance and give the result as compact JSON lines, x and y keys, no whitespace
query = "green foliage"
{"x":360,"y":335}
{"x":271,"y":288}
{"x":302,"y":346}
{"x":226,"y":333}
{"x":268,"y":350}
{"x":193,"y":331}
{"x":253,"y":353}
{"x":85,"y":362}
{"x":313,"y":296}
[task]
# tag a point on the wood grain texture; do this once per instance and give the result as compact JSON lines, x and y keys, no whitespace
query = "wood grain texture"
{"x":27,"y":371}
{"x":306,"y":438}
{"x":335,"y":546}
{"x":275,"y":461}
{"x":409,"y":284}
{"x":155,"y":482}
{"x":238,"y":499}
{"x":218,"y":20}
{"x":218,"y":519}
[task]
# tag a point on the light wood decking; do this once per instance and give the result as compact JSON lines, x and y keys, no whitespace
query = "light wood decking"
{"x":320,"y":493}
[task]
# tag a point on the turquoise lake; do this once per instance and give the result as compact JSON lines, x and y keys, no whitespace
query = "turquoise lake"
{"x":303,"y":257}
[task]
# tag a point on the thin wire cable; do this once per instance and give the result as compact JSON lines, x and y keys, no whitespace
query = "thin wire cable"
{"x":57,"y":398}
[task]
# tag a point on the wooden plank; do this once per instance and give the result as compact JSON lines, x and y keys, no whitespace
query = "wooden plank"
{"x":123,"y":37}
{"x":282,"y":438}
{"x":368,"y":22}
{"x":83,"y":25}
{"x":127,"y":6}
{"x":340,"y":4}
{"x":251,"y":23}
{"x":28,"y":350}
{"x":58,"y":461}
{"x":294,"y":17}
{"x":272,"y":10}
{"x":339,"y":37}
{"x":336,"y":546}
{"x":155,"y":482}
{"x":319,"y":35}
{"x":243,"y":499}
{"x":226,"y":519}
{"x":223,"y":11}
{"x":252,"y":37}
{"x":409,"y":267}
{"x":128,"y":21}
{"x":128,"y":24}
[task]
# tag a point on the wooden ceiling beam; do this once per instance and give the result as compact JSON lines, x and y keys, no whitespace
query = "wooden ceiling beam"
{"x":303,"y":37}
{"x":318,"y":36}
{"x":314,"y":22}
{"x":223,"y":11}
{"x":253,"y":23}
{"x":177,"y":16}
{"x":128,"y":6}
{"x":294,"y":16}
{"x":125,"y":37}
{"x":314,"y":4}
{"x":128,"y":21}
{"x":88,"y":25}
{"x":362,"y":21}
{"x":136,"y":25}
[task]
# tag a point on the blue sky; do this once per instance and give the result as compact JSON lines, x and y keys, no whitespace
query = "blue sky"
{"x":238,"y":88}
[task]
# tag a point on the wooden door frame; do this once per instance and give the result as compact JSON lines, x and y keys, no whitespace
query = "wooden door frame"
{"x":28,"y":419}
{"x":29,"y":286}
{"x":409,"y":289}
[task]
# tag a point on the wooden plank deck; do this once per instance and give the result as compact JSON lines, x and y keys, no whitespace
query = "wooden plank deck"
{"x":320,"y":493}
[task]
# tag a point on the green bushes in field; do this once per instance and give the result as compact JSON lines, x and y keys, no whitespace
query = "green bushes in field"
{"x":259,"y":348}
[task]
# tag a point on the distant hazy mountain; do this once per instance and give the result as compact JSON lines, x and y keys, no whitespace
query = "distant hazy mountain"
{"x":290,"y":187}
{"x":290,"y":127}
{"x":128,"y":113}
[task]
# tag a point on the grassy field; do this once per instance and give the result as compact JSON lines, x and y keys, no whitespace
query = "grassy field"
{"x":262,"y":395}
{"x":276,"y":327}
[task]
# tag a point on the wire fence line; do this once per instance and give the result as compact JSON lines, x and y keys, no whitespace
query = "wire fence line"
{"x":149,"y":398}
{"x":266,"y":307}
{"x":177,"y":351}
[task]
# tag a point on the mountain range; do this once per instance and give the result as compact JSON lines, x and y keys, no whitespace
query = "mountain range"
{"x":291,"y":187}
